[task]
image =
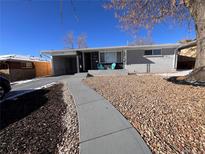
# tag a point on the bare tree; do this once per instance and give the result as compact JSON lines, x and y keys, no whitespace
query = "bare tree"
{"x":134,"y":14}
{"x":82,"y":41}
{"x":69,"y":40}
{"x":142,"y":40}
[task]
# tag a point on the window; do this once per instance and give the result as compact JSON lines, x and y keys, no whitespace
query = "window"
{"x":110,"y":57}
{"x":29,"y":65}
{"x":156,"y":52}
{"x":148,"y":52}
{"x":153,"y":52}
{"x":102,"y":57}
{"x":3,"y":65}
{"x":26,"y":65}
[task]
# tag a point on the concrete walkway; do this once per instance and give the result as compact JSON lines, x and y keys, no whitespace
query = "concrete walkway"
{"x":103,"y":130}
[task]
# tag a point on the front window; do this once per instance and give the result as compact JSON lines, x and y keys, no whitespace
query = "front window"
{"x":153,"y":52}
{"x":26,"y":65}
{"x":148,"y":52}
{"x":3,"y":65}
{"x":156,"y":52}
{"x":110,"y":57}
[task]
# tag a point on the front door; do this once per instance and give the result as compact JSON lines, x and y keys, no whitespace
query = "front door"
{"x":87,"y":58}
{"x":94,"y":60}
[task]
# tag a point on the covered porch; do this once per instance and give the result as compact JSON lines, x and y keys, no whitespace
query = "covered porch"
{"x":100,"y":60}
{"x":71,"y":61}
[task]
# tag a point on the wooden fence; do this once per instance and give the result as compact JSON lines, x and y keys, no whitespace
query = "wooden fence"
{"x":42,"y":69}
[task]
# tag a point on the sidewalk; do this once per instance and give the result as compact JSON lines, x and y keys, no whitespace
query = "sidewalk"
{"x":103,"y":130}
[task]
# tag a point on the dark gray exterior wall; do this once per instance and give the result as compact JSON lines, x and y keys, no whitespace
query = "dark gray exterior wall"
{"x":64,"y":65}
{"x":137,"y":62}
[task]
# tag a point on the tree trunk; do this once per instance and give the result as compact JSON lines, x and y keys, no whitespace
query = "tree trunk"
{"x":197,"y":9}
{"x":200,"y":29}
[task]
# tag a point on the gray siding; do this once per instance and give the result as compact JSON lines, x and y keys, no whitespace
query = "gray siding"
{"x":64,"y":65}
{"x":137,"y":62}
{"x":169,"y":51}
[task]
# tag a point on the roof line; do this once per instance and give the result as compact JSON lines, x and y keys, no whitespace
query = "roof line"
{"x":112,"y":47}
{"x":190,"y":44}
{"x":14,"y":57}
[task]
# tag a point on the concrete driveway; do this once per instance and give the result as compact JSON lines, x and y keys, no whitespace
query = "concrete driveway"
{"x":22,"y":88}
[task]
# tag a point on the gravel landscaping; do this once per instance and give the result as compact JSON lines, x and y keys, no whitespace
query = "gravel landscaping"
{"x":170,"y":117}
{"x":39,"y":122}
{"x":70,"y":141}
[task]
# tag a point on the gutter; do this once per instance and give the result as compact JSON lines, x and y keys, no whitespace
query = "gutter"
{"x":190,"y":44}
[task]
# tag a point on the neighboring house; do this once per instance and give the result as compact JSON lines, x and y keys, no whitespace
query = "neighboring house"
{"x":142,"y":58}
{"x":15,"y":67}
{"x":187,"y":55}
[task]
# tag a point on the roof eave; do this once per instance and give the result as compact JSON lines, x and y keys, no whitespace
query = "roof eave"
{"x":188,"y":45}
{"x":74,"y":51}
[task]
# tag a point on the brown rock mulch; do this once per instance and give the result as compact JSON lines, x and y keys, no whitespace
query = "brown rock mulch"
{"x":70,"y":141}
{"x":34,"y":123}
{"x":170,"y":117}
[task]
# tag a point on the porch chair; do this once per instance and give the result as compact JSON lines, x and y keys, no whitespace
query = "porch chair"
{"x":100,"y":66}
{"x":113,"y":65}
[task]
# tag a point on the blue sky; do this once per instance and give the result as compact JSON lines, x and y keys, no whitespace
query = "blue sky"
{"x":28,"y":26}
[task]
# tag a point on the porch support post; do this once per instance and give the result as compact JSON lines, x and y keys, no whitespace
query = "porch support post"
{"x":124,"y":58}
{"x":83,"y":57}
{"x":77,"y":64}
{"x":175,"y":58}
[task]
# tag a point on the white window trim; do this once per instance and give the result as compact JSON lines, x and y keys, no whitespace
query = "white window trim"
{"x":121,"y":58}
